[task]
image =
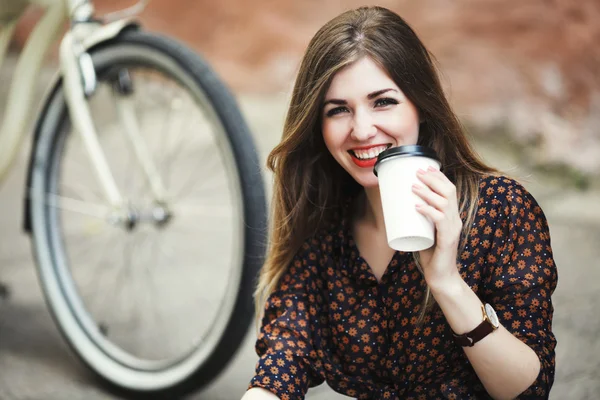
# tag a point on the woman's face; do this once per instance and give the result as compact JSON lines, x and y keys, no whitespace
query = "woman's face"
{"x":363,"y":114}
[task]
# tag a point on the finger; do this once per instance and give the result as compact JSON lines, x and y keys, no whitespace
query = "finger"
{"x":435,"y":215}
{"x":430,"y":197}
{"x":438,"y":182}
{"x":434,"y":175}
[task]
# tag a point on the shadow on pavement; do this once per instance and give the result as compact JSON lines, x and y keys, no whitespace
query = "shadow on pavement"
{"x":28,"y":332}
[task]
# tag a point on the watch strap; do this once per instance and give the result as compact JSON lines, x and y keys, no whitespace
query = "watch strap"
{"x":470,"y":338}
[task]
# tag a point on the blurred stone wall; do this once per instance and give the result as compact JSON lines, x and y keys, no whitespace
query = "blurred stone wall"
{"x":524,"y":71}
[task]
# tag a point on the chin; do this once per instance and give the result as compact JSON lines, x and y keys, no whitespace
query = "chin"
{"x":370,"y":182}
{"x":370,"y":185}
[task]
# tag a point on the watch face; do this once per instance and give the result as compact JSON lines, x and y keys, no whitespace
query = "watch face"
{"x":491,"y":313}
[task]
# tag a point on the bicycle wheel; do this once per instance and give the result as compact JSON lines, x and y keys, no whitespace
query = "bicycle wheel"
{"x":157,"y":305}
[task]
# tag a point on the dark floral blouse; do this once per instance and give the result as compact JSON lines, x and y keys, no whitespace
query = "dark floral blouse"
{"x":330,"y":320}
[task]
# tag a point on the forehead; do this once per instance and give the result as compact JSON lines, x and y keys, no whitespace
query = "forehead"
{"x":359,"y":79}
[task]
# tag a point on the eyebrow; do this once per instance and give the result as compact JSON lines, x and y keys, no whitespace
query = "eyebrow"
{"x":370,"y":96}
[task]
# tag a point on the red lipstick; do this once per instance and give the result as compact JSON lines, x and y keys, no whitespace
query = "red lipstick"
{"x":369,"y":163}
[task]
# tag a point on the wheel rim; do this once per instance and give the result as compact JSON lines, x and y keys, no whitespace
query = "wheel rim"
{"x":110,"y":331}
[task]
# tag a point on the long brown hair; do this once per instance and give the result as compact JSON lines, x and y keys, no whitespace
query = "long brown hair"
{"x":309,"y":185}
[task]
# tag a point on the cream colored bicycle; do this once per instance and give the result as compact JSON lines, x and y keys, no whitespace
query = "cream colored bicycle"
{"x":144,"y":197}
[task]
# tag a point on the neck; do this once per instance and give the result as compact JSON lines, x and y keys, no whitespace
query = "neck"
{"x":373,"y":211}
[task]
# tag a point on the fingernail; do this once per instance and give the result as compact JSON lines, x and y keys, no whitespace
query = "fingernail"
{"x":421,"y":171}
{"x":416,"y":186}
{"x":431,"y":169}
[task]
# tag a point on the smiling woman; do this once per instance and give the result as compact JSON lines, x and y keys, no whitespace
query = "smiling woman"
{"x":337,"y":304}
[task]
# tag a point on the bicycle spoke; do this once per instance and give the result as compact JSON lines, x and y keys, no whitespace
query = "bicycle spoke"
{"x":191,"y":126}
{"x":201,"y":188}
{"x":81,"y":192}
{"x":138,"y":253}
{"x":97,"y":278}
{"x":91,"y":243}
{"x":164,"y":140}
{"x":197,"y":210}
{"x":210,"y":257}
{"x":158,"y":318}
{"x":77,"y":206}
{"x":193,"y":182}
{"x":99,"y":269}
{"x":123,"y":275}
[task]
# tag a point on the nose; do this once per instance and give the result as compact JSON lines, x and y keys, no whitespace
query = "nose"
{"x":363,"y":127}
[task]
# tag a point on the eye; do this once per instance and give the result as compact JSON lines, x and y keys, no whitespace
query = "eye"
{"x":385,"y":101}
{"x":335,"y":111}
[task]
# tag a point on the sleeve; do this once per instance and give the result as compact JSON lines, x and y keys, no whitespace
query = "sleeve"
{"x":288,"y":363}
{"x":521,"y":279}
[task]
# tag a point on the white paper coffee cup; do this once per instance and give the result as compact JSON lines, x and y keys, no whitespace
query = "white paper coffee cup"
{"x":396,"y":169}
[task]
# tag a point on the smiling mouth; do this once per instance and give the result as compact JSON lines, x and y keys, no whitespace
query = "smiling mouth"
{"x":368,"y":154}
{"x":366,"y":158}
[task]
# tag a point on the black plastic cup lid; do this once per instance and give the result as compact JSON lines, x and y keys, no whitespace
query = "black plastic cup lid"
{"x":410,"y":150}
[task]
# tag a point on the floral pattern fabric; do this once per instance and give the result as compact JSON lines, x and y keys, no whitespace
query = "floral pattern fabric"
{"x":331,"y":320}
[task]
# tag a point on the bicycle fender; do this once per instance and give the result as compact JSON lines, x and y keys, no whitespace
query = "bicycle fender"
{"x":97,"y":37}
{"x":109,"y":31}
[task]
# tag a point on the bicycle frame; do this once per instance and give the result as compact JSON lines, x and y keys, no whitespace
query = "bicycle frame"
{"x":77,"y":72}
{"x":21,"y":91}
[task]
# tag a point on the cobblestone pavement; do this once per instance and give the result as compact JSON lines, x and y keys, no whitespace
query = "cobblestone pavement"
{"x":35,"y":363}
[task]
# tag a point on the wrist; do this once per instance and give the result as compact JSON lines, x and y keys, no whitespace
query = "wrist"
{"x":460,"y":305}
{"x":450,"y":285}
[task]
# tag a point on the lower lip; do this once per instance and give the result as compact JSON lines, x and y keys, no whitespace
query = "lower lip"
{"x":370,"y":163}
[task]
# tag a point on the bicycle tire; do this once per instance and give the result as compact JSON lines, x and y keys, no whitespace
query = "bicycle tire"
{"x":51,"y":131}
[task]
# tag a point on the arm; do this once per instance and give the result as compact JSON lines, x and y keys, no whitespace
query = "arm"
{"x":288,"y":363}
{"x":259,"y":394}
{"x":521,"y":276}
{"x":505,"y":365}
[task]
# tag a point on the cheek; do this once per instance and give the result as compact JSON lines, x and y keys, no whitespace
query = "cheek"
{"x":409,"y":126}
{"x":333,"y":135}
{"x":405,"y":125}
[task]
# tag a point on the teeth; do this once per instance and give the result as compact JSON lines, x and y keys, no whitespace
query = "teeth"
{"x":370,"y":153}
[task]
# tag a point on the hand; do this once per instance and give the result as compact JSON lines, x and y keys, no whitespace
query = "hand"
{"x":256,"y":393}
{"x":439,"y":194}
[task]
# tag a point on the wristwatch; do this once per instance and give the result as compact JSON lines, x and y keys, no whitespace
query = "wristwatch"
{"x":490,"y":324}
